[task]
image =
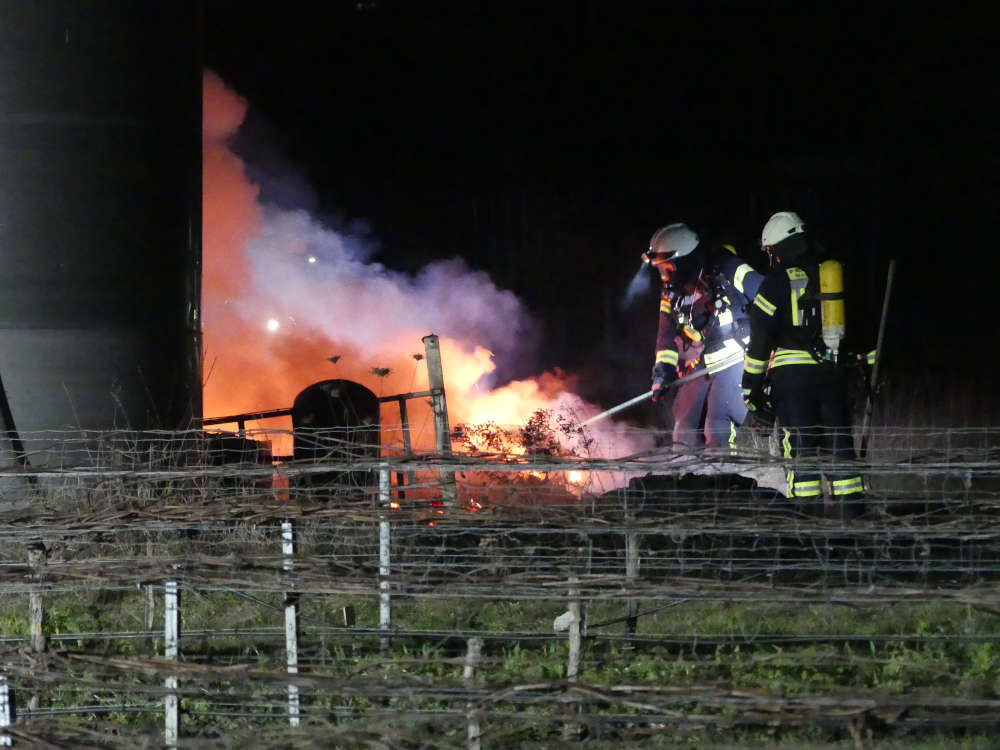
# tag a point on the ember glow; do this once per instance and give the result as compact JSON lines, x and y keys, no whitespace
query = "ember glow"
{"x":330,"y":311}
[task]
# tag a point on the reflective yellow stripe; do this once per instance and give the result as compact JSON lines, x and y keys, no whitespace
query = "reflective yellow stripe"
{"x":667,"y":355}
{"x":786,"y":444}
{"x":871,"y":358}
{"x":732,"y":434}
{"x":793,"y":357}
{"x":725,"y":364}
{"x":766,"y":307}
{"x":740,"y":275}
{"x":790,"y":482}
{"x":810,"y":488}
{"x":797,"y":280}
{"x":691,"y":333}
{"x":725,"y":317}
{"x":730,"y":354}
{"x":848,"y":486}
{"x":754,"y":366}
{"x":665,"y":306}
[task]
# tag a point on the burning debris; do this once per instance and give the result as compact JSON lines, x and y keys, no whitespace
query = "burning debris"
{"x":545,"y":433}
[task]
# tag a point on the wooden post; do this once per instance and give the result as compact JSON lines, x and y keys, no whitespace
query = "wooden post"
{"x":573,"y":665}
{"x":7,"y":712}
{"x":384,"y":548}
{"x":631,"y":570}
{"x":171,"y":637}
{"x":472,"y":656}
{"x":291,"y":623}
{"x":870,"y":400}
{"x":442,"y":432}
{"x":36,"y":611}
{"x":571,"y":729}
{"x":631,"y":575}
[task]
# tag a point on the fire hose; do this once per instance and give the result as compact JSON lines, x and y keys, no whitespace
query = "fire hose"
{"x":639,"y":399}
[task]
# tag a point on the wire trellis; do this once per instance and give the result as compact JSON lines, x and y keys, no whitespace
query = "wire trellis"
{"x":700,"y":597}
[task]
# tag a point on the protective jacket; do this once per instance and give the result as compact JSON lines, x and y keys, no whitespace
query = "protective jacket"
{"x":712,"y":319}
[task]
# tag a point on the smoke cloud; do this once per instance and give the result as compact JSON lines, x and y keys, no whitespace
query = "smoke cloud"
{"x":288,"y":301}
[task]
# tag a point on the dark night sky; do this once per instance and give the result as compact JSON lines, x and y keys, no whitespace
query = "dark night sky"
{"x":544,"y":142}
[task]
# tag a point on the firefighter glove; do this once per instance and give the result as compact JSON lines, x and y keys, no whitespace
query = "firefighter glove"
{"x":663,"y":377}
{"x":760,"y":410}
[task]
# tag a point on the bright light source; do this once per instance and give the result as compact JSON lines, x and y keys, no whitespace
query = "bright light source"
{"x":576,"y":477}
{"x":272,"y":325}
{"x":312,"y":258}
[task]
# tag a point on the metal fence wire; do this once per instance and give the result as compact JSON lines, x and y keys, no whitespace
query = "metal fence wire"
{"x":344,"y":600}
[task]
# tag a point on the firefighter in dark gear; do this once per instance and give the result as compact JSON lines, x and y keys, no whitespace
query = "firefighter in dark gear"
{"x":796,"y":324}
{"x":703,"y":325}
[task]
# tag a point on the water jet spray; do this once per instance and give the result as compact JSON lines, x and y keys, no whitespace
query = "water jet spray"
{"x":636,"y":287}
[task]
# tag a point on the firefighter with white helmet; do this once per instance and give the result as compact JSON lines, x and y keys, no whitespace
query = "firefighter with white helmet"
{"x":703,"y":325}
{"x":796,"y":326}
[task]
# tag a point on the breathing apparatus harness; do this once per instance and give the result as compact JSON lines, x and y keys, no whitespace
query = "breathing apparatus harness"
{"x":708,"y":316}
{"x":726,"y":297}
{"x":817,"y":297}
{"x":817,"y":307}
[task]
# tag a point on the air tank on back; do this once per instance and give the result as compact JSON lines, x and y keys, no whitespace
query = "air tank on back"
{"x":100,"y":219}
{"x":337,"y":421}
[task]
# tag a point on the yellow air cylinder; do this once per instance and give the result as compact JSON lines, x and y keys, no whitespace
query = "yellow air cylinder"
{"x":831,"y":289}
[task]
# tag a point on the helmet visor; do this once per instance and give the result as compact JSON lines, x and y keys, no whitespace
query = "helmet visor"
{"x":663,"y":263}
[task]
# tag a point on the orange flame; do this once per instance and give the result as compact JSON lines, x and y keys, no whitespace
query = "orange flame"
{"x":259,"y":355}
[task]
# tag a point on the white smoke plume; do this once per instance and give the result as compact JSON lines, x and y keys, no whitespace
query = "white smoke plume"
{"x":288,"y":302}
{"x":312,"y":273}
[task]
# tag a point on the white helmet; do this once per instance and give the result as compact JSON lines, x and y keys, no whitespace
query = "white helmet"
{"x":671,"y":242}
{"x":781,"y":226}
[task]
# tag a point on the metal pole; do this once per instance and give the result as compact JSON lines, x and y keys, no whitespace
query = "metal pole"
{"x":442,"y":432}
{"x":385,"y":601}
{"x":7,"y":713}
{"x":643,"y":397}
{"x":171,"y":637}
{"x":870,"y":400}
{"x":291,"y":623}
{"x":472,"y":656}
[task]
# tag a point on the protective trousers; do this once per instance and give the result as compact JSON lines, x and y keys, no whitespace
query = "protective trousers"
{"x":814,"y":419}
{"x":719,"y":397}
